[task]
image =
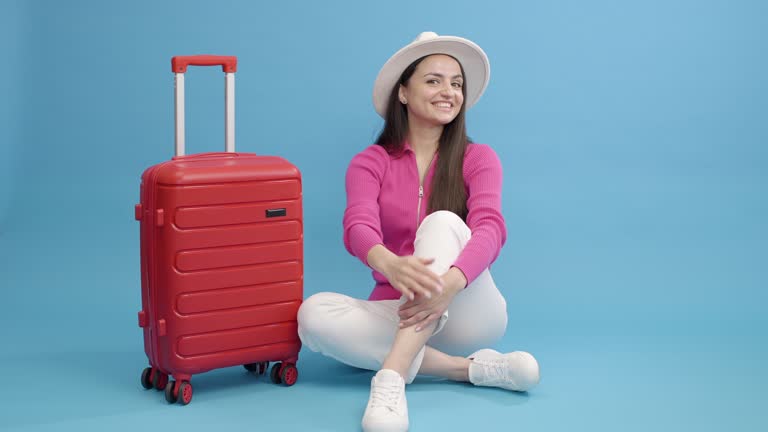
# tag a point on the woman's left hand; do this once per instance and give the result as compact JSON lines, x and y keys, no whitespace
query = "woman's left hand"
{"x":424,"y":311}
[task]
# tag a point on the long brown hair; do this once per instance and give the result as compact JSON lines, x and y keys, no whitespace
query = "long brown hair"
{"x":448,"y":192}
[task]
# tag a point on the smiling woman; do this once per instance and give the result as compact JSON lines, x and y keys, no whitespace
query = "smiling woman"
{"x":430,"y":262}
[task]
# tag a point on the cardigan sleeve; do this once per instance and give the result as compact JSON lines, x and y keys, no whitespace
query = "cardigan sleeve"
{"x":362,"y":221}
{"x":483,"y":178}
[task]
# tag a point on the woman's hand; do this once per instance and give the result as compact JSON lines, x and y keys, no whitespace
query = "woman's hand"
{"x":407,"y":274}
{"x":410,"y":276}
{"x":425,"y":311}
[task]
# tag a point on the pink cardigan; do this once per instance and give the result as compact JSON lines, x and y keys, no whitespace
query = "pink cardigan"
{"x":382,"y":198}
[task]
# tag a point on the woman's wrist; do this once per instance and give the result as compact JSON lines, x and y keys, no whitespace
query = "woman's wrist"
{"x":379,"y":258}
{"x":456,"y":281}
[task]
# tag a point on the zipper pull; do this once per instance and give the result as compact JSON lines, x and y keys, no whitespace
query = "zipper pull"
{"x":421,"y":191}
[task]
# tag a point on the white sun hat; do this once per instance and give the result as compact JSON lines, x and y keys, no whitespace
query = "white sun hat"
{"x":477,"y":70}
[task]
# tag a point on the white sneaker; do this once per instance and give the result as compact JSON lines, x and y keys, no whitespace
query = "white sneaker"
{"x":517,"y":371}
{"x":387,"y":409}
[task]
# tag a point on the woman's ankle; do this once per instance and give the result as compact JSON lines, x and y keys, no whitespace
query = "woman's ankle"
{"x":395,"y":366}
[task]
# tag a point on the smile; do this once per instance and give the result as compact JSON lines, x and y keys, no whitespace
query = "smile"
{"x":444,"y":106}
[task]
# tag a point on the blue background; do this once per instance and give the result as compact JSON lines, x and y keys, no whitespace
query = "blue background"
{"x":634,"y":140}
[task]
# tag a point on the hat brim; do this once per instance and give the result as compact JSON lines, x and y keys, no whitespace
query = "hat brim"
{"x":473,"y":60}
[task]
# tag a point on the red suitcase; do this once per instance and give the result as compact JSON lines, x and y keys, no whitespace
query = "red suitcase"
{"x":221,"y":258}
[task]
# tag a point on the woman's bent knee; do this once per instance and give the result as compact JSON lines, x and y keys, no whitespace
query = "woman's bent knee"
{"x":442,"y":235}
{"x":444,"y":219}
{"x":313,"y":314}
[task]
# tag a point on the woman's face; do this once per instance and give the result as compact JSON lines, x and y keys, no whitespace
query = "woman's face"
{"x":434,"y":92}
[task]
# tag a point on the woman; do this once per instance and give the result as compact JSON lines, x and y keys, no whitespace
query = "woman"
{"x":424,"y":212}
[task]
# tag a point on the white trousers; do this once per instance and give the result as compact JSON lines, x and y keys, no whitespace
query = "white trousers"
{"x":360,"y":333}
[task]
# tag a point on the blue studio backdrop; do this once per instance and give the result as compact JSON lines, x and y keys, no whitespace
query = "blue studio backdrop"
{"x":634,"y":141}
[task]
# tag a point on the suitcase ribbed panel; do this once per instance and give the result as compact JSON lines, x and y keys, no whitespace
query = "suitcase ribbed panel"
{"x":231,"y":319}
{"x":206,"y":362}
{"x":198,"y":217}
{"x":232,"y":193}
{"x":233,"y":277}
{"x":238,"y":297}
{"x":212,"y":258}
{"x":237,"y":339}
{"x":237,"y":235}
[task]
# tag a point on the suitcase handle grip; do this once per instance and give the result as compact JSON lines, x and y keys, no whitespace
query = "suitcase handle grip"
{"x":179,"y":67}
{"x":228,"y":63}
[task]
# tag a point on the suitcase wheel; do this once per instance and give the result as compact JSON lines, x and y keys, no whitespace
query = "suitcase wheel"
{"x":185,"y":393}
{"x":160,"y":380}
{"x":289,"y":374}
{"x":284,"y":374}
{"x":146,"y":378}
{"x":180,"y":392}
{"x":170,"y":395}
{"x":274,"y":374}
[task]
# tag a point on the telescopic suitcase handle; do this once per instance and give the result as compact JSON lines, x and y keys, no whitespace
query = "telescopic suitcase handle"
{"x":228,"y":64}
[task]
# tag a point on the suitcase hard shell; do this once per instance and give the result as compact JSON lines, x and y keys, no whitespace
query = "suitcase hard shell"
{"x":221,"y":266}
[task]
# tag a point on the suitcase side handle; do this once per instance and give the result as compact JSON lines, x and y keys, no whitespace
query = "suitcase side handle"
{"x":229,"y":66}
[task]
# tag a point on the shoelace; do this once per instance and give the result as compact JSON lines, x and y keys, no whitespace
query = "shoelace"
{"x":385,"y":395}
{"x":495,"y":370}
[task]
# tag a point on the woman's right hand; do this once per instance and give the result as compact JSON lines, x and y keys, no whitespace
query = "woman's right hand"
{"x":411,"y":276}
{"x":407,"y":274}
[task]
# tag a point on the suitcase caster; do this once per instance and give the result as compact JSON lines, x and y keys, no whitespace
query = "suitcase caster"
{"x":152,"y":378}
{"x":257,"y":368}
{"x":284,"y":374}
{"x":160,"y":381}
{"x":178,"y":391}
{"x":146,"y":378}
